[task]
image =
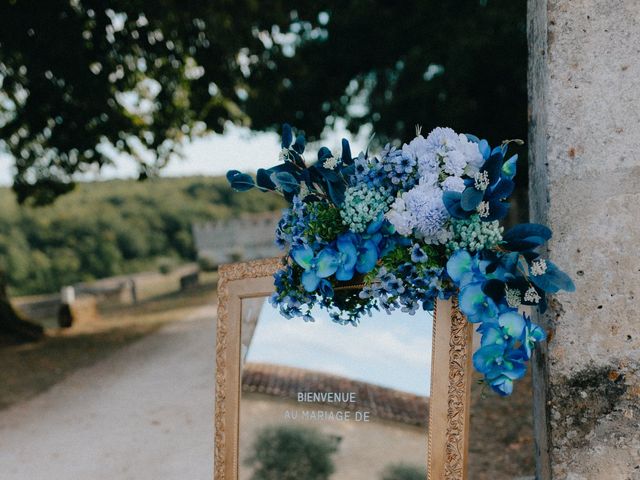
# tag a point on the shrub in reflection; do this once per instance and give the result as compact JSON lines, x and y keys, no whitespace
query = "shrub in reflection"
{"x":292,"y":453}
{"x":404,"y":471}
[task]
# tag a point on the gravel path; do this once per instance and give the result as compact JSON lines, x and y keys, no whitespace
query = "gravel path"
{"x":144,"y":413}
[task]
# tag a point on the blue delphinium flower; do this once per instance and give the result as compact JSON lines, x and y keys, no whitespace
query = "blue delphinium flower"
{"x":501,"y":364}
{"x":325,"y":288}
{"x":418,"y":255}
{"x":369,"y":171}
{"x":291,"y":227}
{"x":531,"y":334}
{"x":316,"y":267}
{"x":476,"y":305}
{"x":400,"y":167}
{"x":346,"y":256}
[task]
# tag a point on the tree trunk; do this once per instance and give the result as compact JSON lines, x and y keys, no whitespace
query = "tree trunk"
{"x":12,"y":326}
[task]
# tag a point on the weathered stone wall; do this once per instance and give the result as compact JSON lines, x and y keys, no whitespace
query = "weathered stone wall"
{"x":584,"y":87}
{"x":245,"y":238}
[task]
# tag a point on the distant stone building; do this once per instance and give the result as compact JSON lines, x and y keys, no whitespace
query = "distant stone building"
{"x":396,"y":432}
{"x":237,"y":239}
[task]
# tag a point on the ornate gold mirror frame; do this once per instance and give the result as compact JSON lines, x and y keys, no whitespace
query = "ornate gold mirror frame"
{"x":450,"y":378}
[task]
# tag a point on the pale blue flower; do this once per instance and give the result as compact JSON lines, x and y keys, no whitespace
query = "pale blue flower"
{"x":453,"y":184}
{"x":531,"y":334}
{"x":418,"y":255}
{"x":316,"y":267}
{"x":422,"y":211}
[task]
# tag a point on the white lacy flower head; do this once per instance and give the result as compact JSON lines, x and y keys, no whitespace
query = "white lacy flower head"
{"x":429,"y":179}
{"x":421,"y":210}
{"x":513,"y":297}
{"x":446,"y":149}
{"x":442,"y":139}
{"x":483,"y":209}
{"x":531,"y":295}
{"x":481,"y":181}
{"x":435,"y":148}
{"x":453,"y":184}
{"x":330,"y":163}
{"x":538,"y":267}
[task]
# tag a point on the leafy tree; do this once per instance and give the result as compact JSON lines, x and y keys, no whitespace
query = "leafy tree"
{"x":292,"y":453}
{"x":81,"y":80}
{"x":108,"y":228}
{"x":403,"y":471}
{"x":84,"y":80}
{"x":12,"y":324}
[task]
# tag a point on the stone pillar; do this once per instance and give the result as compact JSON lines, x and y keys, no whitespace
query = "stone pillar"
{"x":584,"y":101}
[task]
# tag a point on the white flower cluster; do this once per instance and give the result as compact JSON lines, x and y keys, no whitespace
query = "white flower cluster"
{"x":443,"y":158}
{"x":363,"y":206}
{"x":330,"y":163}
{"x":445,"y":151}
{"x":513,"y":297}
{"x":481,"y":180}
{"x":421,"y":211}
{"x":538,"y":267}
{"x":474,"y":234}
{"x":531,"y":295}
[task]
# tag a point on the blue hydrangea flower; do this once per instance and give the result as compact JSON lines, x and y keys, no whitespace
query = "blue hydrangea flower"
{"x":369,"y":171}
{"x":401,"y":168}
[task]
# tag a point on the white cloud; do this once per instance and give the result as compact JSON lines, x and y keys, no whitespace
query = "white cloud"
{"x":238,"y":148}
{"x":394,"y":350}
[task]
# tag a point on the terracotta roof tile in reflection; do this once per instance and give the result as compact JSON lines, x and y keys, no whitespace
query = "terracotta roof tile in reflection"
{"x":384,"y":403}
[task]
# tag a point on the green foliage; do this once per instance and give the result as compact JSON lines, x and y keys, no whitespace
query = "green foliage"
{"x":404,"y":471}
{"x":325,"y":221}
{"x":141,"y":76}
{"x":109,"y":228}
{"x":292,"y":453}
{"x":397,"y":257}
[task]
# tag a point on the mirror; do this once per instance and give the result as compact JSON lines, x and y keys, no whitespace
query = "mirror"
{"x":322,"y":400}
{"x":386,"y":399}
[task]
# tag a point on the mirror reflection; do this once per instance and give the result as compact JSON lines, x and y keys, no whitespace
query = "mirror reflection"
{"x":326,"y":401}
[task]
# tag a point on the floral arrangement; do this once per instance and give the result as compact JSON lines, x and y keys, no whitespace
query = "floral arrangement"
{"x":402,"y":228}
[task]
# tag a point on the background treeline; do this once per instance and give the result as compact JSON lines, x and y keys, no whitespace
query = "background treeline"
{"x":110,"y":228}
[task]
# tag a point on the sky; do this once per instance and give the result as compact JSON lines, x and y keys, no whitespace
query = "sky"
{"x":238,"y":148}
{"x":389,"y":350}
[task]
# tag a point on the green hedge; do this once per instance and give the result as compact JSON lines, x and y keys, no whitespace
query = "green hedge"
{"x":109,"y":228}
